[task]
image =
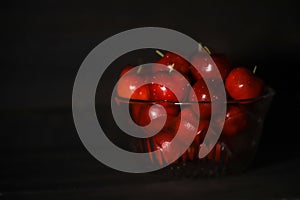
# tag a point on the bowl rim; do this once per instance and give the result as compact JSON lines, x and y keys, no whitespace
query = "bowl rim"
{"x":269,"y":92}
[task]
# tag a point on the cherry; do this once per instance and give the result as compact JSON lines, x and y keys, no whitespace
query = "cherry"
{"x":139,"y":112}
{"x":190,"y":128}
{"x":193,"y":151}
{"x":189,"y":121}
{"x":125,"y":70}
{"x":201,"y":94}
{"x":242,"y":84}
{"x":141,"y":93}
{"x":202,"y":130}
{"x":223,"y":64}
{"x":143,"y":113}
{"x":190,"y":124}
{"x":201,"y":98}
{"x":128,"y":84}
{"x":161,"y":92}
{"x":172,"y":61}
{"x":236,"y":120}
{"x":161,"y":142}
{"x":209,"y":69}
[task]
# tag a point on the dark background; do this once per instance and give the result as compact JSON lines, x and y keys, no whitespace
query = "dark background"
{"x":43,"y":45}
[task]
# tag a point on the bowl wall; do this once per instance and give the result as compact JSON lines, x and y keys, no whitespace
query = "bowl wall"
{"x":234,"y":150}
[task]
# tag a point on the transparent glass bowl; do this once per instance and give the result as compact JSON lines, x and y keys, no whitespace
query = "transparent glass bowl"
{"x":232,"y":153}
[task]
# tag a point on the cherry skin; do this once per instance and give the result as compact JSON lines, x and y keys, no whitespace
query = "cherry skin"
{"x":209,"y":69}
{"x":172,"y":61}
{"x":202,"y":130}
{"x":236,"y":120}
{"x":201,"y":95}
{"x":125,"y":70}
{"x":162,"y":92}
{"x":137,"y":109}
{"x":223,"y":64}
{"x":242,"y":84}
{"x":189,"y":121}
{"x":143,"y":113}
{"x":192,"y":127}
{"x":141,"y":93}
{"x":161,"y":142}
{"x":163,"y":95}
{"x":189,"y":129}
{"x":190,"y":124}
{"x":128,"y":84}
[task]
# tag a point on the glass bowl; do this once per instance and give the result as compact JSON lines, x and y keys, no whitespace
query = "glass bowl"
{"x":234,"y":150}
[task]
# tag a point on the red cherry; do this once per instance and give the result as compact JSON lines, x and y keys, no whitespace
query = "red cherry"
{"x":201,"y":95}
{"x":193,"y":151}
{"x":143,"y":113}
{"x":181,"y":86}
{"x":189,"y":121}
{"x":242,"y":84}
{"x":236,"y":120}
{"x":171,"y":108}
{"x":155,"y":115}
{"x":127,"y":85}
{"x":202,"y":130}
{"x":223,"y":64}
{"x":172,"y":61}
{"x":161,"y":138}
{"x":141,"y":93}
{"x":190,"y":124}
{"x":209,"y":69}
{"x":161,"y":142}
{"x":125,"y":70}
{"x":162,"y":92}
{"x":139,"y":112}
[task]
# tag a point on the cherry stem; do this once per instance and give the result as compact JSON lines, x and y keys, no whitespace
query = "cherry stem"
{"x":254,"y":69}
{"x":139,"y":69}
{"x":207,"y":49}
{"x":159,"y":53}
{"x":200,"y":48}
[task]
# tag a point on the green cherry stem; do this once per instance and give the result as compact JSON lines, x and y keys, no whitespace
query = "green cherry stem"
{"x":200,"y":48}
{"x":207,"y":49}
{"x":159,"y":53}
{"x":139,"y":69}
{"x":254,"y":69}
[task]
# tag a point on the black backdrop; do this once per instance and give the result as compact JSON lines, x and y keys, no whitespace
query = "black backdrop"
{"x":44,"y":43}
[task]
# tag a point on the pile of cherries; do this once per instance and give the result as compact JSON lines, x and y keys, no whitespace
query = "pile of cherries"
{"x":240,"y":84}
